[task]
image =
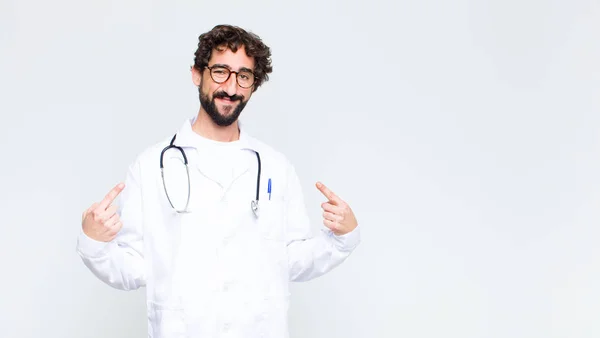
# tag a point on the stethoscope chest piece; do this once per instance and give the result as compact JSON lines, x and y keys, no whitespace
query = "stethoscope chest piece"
{"x":254,"y":205}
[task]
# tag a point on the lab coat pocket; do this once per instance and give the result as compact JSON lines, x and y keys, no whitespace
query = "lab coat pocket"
{"x":272,"y":263}
{"x":271,"y":220}
{"x":166,"y":321}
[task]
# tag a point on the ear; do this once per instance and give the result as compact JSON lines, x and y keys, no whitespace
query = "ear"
{"x":196,"y":76}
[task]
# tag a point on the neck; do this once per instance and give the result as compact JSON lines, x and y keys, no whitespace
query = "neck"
{"x":205,"y":127}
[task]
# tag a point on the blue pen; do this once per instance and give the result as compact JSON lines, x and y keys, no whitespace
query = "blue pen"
{"x":269,"y":189}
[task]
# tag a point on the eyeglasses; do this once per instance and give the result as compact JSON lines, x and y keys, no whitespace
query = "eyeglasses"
{"x":220,"y":74}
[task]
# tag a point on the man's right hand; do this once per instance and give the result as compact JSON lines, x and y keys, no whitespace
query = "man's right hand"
{"x":101,"y":221}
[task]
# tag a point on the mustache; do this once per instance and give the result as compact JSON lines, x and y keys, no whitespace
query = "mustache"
{"x":223,"y":95}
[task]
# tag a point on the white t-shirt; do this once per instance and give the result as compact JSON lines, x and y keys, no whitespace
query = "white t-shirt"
{"x":228,"y":155}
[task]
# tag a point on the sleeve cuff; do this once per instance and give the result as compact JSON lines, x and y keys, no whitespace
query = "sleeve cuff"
{"x":346,"y":242}
{"x":89,"y":247}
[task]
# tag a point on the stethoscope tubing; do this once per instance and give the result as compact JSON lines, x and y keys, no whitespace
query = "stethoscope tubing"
{"x":254,"y":204}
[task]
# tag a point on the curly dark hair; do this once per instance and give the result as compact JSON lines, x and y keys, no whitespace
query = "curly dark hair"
{"x":223,"y":37}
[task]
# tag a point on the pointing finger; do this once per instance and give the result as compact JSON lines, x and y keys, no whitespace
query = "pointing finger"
{"x":110,"y":197}
{"x":328,"y":193}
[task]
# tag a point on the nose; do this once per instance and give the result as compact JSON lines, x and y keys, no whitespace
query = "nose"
{"x":230,"y":86}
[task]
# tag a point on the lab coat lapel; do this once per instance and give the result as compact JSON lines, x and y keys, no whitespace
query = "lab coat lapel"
{"x":247,"y":159}
{"x":207,"y":166}
{"x":250,"y":158}
{"x":198,"y":158}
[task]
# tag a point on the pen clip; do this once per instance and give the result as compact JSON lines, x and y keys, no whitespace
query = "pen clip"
{"x":269,"y":188}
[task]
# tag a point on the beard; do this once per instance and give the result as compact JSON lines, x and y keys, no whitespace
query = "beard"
{"x":227,"y":117}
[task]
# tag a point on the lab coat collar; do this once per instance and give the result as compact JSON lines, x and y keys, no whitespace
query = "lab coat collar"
{"x":185,"y":136}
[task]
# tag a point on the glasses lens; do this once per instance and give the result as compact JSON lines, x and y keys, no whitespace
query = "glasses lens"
{"x":219,"y":74}
{"x":245,"y":79}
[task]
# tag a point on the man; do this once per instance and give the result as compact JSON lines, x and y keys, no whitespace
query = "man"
{"x":219,"y":263}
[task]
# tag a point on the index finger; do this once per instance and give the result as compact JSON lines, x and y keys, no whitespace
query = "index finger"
{"x":110,"y":197}
{"x":328,"y":193}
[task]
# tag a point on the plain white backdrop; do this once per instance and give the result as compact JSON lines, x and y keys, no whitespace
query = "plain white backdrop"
{"x":464,"y":134}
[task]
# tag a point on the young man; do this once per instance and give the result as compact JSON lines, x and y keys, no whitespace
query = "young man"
{"x":215,"y":253}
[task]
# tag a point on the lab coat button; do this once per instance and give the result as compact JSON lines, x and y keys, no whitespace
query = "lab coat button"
{"x":226,"y":241}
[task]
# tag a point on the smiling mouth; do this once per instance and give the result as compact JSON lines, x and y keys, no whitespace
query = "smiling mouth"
{"x":225,"y":100}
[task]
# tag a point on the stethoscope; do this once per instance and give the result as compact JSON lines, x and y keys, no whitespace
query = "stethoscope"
{"x":253,"y":203}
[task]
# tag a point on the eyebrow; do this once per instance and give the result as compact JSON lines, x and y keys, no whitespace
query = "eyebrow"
{"x":228,"y":67}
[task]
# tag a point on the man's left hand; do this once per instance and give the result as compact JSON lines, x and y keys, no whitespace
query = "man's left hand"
{"x":337,"y":214}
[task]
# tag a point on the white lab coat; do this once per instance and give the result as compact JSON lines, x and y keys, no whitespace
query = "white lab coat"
{"x":217,"y":271}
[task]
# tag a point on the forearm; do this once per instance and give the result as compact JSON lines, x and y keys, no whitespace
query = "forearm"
{"x":314,"y":257}
{"x":121,"y":267}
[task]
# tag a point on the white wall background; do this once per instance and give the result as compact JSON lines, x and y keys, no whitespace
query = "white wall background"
{"x":465,"y":135}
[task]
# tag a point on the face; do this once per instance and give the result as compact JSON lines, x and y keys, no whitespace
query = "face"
{"x":224,"y":102}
